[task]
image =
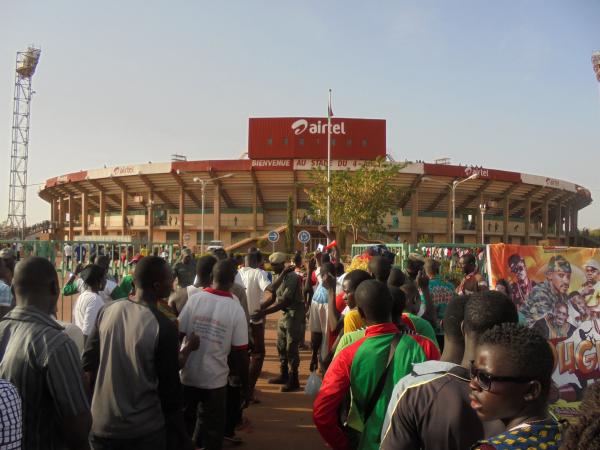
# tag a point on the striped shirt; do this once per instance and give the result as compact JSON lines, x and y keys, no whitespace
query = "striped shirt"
{"x":10,"y":417}
{"x":43,"y":364}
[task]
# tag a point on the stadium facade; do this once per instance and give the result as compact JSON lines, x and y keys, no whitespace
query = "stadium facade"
{"x":244,"y":199}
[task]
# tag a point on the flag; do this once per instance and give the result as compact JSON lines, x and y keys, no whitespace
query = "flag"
{"x":329,"y":109}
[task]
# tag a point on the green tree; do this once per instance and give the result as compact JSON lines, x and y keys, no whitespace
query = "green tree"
{"x":290,"y":230}
{"x":360,"y":199}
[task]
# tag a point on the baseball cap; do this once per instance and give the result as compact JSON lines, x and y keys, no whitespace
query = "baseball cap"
{"x":278,"y":258}
{"x":593,"y":264}
{"x":6,"y":253}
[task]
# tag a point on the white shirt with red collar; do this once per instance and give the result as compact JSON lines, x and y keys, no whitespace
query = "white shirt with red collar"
{"x":219,"y":321}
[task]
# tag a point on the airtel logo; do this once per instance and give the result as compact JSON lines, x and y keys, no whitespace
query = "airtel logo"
{"x":301,"y":125}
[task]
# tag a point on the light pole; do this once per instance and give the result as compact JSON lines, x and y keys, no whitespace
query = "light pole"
{"x":453,"y":187}
{"x":483,"y":209}
{"x":203,"y":184}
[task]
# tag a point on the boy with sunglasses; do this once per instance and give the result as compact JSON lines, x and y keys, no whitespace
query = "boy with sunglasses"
{"x":510,"y":381}
{"x":436,"y":414}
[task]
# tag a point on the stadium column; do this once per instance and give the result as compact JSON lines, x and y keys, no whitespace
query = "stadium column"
{"x":574,"y":226}
{"x":181,"y":214}
{"x":150,"y":204}
{"x":568,"y":224}
{"x":123,"y":211}
{"x":449,"y":220}
{"x":414,"y":217}
{"x":102,"y":213}
{"x":254,"y":208}
{"x":545,"y":220}
{"x":217,"y":213}
{"x":558,"y":220}
{"x":527,"y":220}
{"x":479,"y":220}
{"x":84,"y":214}
{"x":61,"y":217}
{"x":71,"y":217}
{"x":53,"y":212}
{"x":506,"y":219}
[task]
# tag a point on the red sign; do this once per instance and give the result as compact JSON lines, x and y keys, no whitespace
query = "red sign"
{"x":306,"y":137}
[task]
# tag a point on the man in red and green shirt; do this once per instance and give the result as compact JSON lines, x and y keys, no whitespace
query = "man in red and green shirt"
{"x":359,"y":367}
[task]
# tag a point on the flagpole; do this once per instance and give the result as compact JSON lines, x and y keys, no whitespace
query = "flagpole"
{"x":329,"y":167}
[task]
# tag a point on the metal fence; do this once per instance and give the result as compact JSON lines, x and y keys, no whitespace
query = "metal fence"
{"x":120,"y":255}
{"x":446,"y":254}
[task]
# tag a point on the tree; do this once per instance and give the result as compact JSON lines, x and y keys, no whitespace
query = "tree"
{"x":290,"y":231}
{"x":360,"y":199}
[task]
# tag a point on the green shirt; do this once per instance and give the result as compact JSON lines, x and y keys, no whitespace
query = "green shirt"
{"x":291,"y":292}
{"x":124,"y":288}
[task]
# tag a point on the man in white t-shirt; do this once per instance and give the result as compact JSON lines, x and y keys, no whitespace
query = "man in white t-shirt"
{"x":68,"y":253}
{"x":89,"y":303}
{"x":256,"y":281}
{"x":219,"y":321}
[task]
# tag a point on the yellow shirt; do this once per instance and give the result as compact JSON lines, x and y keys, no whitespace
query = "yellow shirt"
{"x":353,"y":321}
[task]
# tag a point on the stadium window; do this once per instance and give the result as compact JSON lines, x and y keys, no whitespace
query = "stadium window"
{"x":364,"y":142}
{"x":172,"y":236}
{"x":270,"y":141}
{"x":348,"y":142}
{"x":285,"y":141}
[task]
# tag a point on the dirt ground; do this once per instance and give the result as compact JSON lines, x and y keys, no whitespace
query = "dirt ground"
{"x":281,"y":420}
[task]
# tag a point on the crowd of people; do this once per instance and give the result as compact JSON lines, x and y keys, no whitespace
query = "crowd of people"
{"x":168,"y":357}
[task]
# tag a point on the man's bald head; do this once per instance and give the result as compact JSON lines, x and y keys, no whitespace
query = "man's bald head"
{"x":36,"y":283}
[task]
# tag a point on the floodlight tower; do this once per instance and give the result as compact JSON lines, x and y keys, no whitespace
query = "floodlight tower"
{"x":25,"y":68}
{"x":596,"y":64}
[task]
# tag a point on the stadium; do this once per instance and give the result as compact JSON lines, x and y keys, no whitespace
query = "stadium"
{"x":244,"y":199}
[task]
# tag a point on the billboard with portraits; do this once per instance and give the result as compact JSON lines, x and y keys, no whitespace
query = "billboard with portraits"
{"x":556,"y":291}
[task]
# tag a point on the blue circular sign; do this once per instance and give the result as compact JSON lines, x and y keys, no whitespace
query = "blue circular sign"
{"x":273,"y":236}
{"x":304,"y":236}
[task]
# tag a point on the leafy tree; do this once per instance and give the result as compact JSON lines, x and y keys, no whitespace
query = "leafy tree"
{"x":290,"y":231}
{"x":360,"y":199}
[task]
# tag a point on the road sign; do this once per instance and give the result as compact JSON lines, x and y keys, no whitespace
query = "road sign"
{"x":186,"y":237}
{"x":304,"y":236}
{"x":273,"y":236}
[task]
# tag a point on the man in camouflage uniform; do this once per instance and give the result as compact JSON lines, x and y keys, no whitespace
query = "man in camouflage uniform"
{"x":544,"y":296}
{"x":286,"y":293}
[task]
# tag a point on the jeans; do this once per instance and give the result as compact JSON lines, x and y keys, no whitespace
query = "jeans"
{"x":152,"y":441}
{"x":204,"y":414}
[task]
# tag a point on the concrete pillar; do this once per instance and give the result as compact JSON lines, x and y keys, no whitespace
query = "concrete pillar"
{"x":479,"y":221}
{"x":449,"y":219}
{"x":254,"y":208}
{"x":414,"y":217}
{"x":124,"y":224}
{"x":150,"y":219}
{"x":84,"y":214}
{"x":102,"y":213}
{"x":575,"y":226}
{"x":568,"y":224}
{"x":181,"y":215}
{"x":545,"y":220}
{"x":527,"y":220}
{"x":53,"y":214}
{"x":61,"y":218}
{"x":558,"y":221}
{"x":217,"y":213}
{"x":71,"y":209}
{"x":506,"y":219}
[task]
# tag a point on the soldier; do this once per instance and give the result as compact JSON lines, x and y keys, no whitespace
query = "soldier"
{"x":544,"y":296}
{"x":522,"y":287}
{"x":286,"y":292}
{"x":185,"y":270}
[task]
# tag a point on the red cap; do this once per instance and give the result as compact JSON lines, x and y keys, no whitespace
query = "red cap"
{"x":135,"y":259}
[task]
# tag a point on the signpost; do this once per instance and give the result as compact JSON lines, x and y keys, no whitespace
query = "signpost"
{"x":273,"y":237}
{"x":304,"y":236}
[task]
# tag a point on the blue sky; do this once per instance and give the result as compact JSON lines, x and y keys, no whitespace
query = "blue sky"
{"x":506,"y":85}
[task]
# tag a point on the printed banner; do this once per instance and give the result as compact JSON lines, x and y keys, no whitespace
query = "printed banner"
{"x":557,"y":291}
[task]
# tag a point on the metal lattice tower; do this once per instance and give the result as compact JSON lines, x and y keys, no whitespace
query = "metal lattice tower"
{"x":25,"y":68}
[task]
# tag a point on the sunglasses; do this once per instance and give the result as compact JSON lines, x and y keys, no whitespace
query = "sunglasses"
{"x":485,"y":380}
